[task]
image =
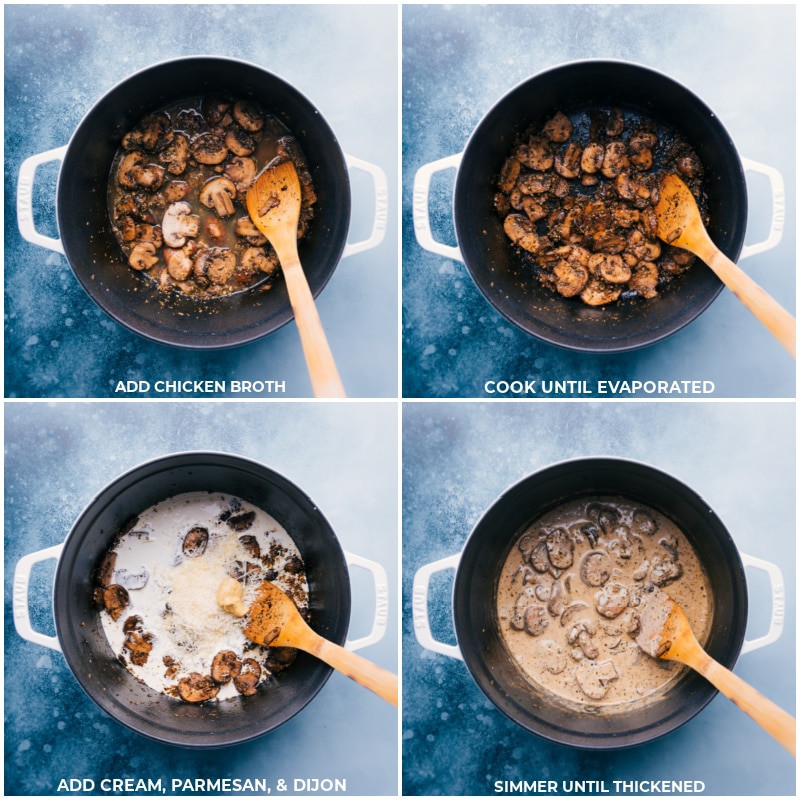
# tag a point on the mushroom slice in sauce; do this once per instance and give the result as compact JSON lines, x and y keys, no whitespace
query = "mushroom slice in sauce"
{"x":195,"y":542}
{"x":197,"y":688}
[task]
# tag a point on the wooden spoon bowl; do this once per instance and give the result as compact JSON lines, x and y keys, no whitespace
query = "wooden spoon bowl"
{"x":665,"y":633}
{"x":679,"y":223}
{"x":273,"y":203}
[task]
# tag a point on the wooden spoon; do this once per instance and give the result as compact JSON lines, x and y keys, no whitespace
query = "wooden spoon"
{"x":273,"y":202}
{"x":274,"y":621}
{"x":679,"y":224}
{"x":665,"y":633}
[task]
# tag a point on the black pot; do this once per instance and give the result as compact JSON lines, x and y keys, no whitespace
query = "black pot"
{"x":496,"y":269}
{"x":84,"y":643}
{"x":475,"y":614}
{"x":97,"y":258}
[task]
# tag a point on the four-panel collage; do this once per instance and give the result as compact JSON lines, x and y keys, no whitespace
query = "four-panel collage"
{"x":400,"y":400}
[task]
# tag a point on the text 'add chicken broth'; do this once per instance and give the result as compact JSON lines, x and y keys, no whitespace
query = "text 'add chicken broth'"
{"x":177,"y":194}
{"x":157,"y":594}
{"x":568,"y":594}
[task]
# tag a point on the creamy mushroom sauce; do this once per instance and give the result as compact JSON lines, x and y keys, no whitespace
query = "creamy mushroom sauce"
{"x":177,"y":189}
{"x":577,"y":194}
{"x":157,"y":591}
{"x":568,"y":593}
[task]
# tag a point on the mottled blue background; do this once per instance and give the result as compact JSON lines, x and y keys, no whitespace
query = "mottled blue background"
{"x":59,"y":61}
{"x":59,"y":455}
{"x":457,"y":460}
{"x":459,"y":60}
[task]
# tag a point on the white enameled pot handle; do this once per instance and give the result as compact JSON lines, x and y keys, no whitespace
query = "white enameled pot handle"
{"x":778,"y":603}
{"x":381,"y":189}
{"x":27,"y":173}
{"x":419,"y":607}
{"x":421,"y":209}
{"x":22,"y":618}
{"x":778,"y":208}
{"x":381,"y":585}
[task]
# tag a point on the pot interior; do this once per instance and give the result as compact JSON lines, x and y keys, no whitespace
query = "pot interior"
{"x":498,"y":271}
{"x":112,"y":686}
{"x":95,"y":255}
{"x":474,"y":603}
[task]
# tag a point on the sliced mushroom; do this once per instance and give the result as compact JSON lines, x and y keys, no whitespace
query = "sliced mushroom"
{"x":536,"y":154}
{"x":129,"y":167}
{"x":644,"y":280}
{"x":249,"y":116}
{"x":246,"y":682}
{"x":179,"y":264}
{"x":197,"y":688}
{"x":612,"y":600}
{"x":216,"y":109}
{"x":568,"y":162}
{"x":241,"y":522}
{"x":570,"y":278}
{"x":509,"y":173}
{"x":255,"y":259}
{"x":242,"y":171}
{"x":239,"y":141}
{"x":178,"y":224}
{"x":558,"y":128}
{"x":536,"y":620}
{"x":209,"y":148}
{"x":592,"y":158}
{"x":225,"y":666}
{"x":176,"y":156}
{"x":115,"y":600}
{"x":246,"y":229}
{"x":143,"y":256}
{"x":595,"y":568}
{"x":219,"y":193}
{"x":195,"y":542}
{"x":560,"y":548}
{"x":215,"y":265}
{"x":522,"y":232}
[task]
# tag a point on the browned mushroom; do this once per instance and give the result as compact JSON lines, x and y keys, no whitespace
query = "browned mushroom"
{"x":115,"y":600}
{"x":558,"y":128}
{"x":214,"y":266}
{"x":197,"y":688}
{"x":176,"y":156}
{"x":255,"y":259}
{"x":143,"y":256}
{"x":218,"y":193}
{"x":209,"y":148}
{"x":247,"y":680}
{"x":225,"y":666}
{"x":242,"y":171}
{"x":179,"y":264}
{"x":239,"y":141}
{"x":195,"y":542}
{"x":249,"y":116}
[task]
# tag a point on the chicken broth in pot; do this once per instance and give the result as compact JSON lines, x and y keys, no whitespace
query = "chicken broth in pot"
{"x":156,"y":589}
{"x":568,"y":593}
{"x":177,"y":190}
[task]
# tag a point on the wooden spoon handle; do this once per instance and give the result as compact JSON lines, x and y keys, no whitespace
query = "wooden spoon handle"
{"x":369,"y":675}
{"x":779,"y":322}
{"x":319,"y":359}
{"x":769,"y":716}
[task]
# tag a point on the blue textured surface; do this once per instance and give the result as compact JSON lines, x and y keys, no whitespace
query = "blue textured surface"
{"x":58,"y":456}
{"x":59,"y":60}
{"x":459,"y":60}
{"x":457,"y":460}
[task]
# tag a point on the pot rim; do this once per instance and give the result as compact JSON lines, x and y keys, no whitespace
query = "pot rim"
{"x":562,"y":335}
{"x":246,"y":303}
{"x":491,"y":686}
